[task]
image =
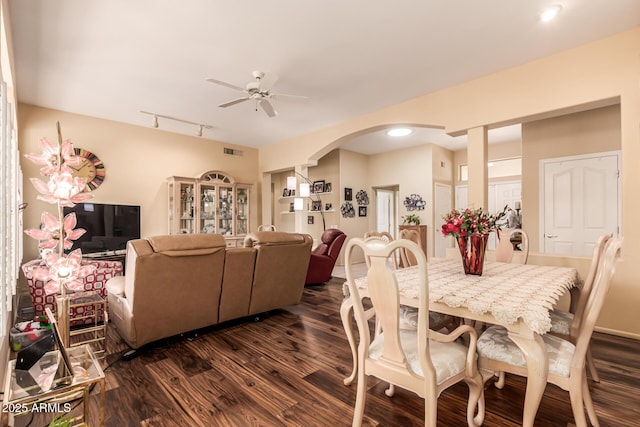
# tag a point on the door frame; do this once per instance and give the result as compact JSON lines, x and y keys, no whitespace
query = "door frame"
{"x":541,"y":186}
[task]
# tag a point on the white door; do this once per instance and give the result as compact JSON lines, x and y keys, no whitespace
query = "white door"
{"x":580,"y":202}
{"x":442,"y":205}
{"x":385,"y":217}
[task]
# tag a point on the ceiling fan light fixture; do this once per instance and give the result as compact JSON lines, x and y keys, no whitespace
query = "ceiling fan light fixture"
{"x":550,"y":12}
{"x":399,"y":132}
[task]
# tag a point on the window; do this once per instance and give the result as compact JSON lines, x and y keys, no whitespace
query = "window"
{"x":497,"y":168}
{"x":10,"y":217}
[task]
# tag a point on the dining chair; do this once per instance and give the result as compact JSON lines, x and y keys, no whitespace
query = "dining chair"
{"x":406,"y":258}
{"x":409,"y":315}
{"x":504,"y":248}
{"x":385,"y":236}
{"x":423,"y":361}
{"x":567,"y":323}
{"x":566,"y":359}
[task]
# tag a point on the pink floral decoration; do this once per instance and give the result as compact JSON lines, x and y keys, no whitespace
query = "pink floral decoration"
{"x":50,"y":157}
{"x":64,"y":271}
{"x":62,"y":189}
{"x":50,"y":233}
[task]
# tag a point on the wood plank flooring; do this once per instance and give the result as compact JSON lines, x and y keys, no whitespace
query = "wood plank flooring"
{"x":287,"y":370}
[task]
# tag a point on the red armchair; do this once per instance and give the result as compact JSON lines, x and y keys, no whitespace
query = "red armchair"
{"x":324,"y":257}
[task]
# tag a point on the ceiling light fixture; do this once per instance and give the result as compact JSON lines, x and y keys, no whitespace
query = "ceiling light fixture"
{"x":550,"y":12}
{"x":399,"y":132}
{"x":200,"y":126}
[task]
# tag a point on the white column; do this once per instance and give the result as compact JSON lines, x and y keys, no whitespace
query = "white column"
{"x":477,"y":158}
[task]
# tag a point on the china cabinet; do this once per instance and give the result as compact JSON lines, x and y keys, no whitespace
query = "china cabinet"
{"x":211,"y":203}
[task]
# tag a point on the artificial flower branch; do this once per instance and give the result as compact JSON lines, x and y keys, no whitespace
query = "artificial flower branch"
{"x":62,"y":271}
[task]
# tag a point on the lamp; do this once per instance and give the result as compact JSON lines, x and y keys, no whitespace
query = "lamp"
{"x":154,"y":123}
{"x":305,"y":191}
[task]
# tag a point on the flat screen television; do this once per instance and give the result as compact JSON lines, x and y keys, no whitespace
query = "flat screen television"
{"x":109,"y":227}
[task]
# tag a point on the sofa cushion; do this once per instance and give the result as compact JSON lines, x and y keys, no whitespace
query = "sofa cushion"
{"x":187,"y":244}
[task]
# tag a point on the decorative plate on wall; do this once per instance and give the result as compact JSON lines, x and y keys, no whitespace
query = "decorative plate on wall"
{"x":347,"y":210}
{"x":362,"y":198}
{"x":414,"y":203}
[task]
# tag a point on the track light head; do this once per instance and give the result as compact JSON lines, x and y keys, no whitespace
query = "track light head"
{"x":199,"y":130}
{"x":155,"y":121}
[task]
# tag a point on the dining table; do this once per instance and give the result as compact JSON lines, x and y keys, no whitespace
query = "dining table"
{"x":518,"y":297}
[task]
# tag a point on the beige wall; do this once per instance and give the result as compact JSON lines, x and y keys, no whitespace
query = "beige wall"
{"x":586,"y":132}
{"x":355,"y":174}
{"x":602,"y":73}
{"x":137,"y":160}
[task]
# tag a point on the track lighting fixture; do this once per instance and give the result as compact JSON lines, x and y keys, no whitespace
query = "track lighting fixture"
{"x":154,"y":123}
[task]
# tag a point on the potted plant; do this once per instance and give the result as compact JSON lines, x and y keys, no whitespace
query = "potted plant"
{"x":412,"y":219}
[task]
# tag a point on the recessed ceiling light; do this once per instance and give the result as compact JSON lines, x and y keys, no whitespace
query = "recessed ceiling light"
{"x":550,"y":12}
{"x":399,"y":132}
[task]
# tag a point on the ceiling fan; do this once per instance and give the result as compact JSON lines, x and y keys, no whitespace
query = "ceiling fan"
{"x":258,"y":90}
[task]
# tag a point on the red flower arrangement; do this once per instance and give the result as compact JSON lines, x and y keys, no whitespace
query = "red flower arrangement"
{"x":471,"y":222}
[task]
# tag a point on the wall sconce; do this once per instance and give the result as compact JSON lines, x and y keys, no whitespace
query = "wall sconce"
{"x":154,"y":123}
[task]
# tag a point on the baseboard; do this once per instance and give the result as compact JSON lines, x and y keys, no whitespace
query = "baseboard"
{"x":618,"y":333}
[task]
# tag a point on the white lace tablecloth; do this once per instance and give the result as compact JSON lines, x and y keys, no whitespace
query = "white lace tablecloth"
{"x":507,"y":291}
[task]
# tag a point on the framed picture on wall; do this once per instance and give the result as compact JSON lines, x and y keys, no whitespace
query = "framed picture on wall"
{"x":327,"y":187}
{"x":310,"y":219}
{"x":316,"y":205}
{"x":348,"y":194}
{"x":362,"y":211}
{"x":318,"y":186}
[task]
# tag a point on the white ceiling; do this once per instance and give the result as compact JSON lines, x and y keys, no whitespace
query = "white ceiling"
{"x":112,"y":58}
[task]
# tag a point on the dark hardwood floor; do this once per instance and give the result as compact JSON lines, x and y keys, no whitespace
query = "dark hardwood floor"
{"x":287,"y":370}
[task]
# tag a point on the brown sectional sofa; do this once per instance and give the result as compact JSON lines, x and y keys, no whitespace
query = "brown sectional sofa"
{"x":179,"y":283}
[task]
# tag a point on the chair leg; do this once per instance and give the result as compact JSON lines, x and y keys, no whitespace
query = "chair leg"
{"x":588,"y":403}
{"x":592,"y":366}
{"x":577,"y":405}
{"x":430,"y":410}
{"x":361,"y":394}
{"x":476,"y":400}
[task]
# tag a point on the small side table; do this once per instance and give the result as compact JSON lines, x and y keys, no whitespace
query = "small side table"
{"x":20,"y":397}
{"x":88,"y":307}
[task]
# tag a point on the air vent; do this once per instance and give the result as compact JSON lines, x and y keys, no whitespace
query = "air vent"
{"x":232,"y":152}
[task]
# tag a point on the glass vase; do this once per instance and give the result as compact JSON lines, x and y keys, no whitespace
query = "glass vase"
{"x":472,"y":249}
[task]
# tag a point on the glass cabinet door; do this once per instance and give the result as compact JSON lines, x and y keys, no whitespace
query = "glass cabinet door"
{"x":225,"y":211}
{"x":242,"y":211}
{"x":207,"y":219}
{"x":186,"y":208}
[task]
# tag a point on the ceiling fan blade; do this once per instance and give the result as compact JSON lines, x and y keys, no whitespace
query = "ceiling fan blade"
{"x":267,"y":81}
{"x":229,"y":85}
{"x":234,"y":102}
{"x":268,"y":108}
{"x":286,"y":95}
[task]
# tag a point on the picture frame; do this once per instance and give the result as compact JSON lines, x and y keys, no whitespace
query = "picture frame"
{"x":316,"y":205}
{"x":318,"y":186}
{"x":286,"y":192}
{"x":310,"y":219}
{"x":291,"y":207}
{"x":328,"y":206}
{"x":362,"y":211}
{"x":348,"y":194}
{"x":327,"y":187}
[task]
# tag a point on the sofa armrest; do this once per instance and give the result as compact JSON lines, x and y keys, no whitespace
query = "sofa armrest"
{"x":115,"y":285}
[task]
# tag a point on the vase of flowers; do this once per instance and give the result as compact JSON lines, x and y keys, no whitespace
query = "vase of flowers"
{"x":471,"y":228}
